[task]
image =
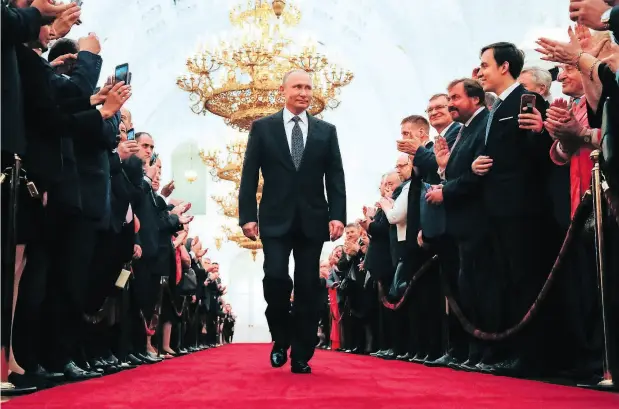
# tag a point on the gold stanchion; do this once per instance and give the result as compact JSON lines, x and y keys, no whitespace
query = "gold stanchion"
{"x":596,"y":182}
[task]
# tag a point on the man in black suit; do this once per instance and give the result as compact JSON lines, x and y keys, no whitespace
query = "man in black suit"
{"x":295,"y":152}
{"x":466,"y":225}
{"x":513,"y":167}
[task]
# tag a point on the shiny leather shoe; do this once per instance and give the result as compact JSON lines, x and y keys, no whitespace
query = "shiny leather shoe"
{"x":72,"y":372}
{"x":469,"y":365}
{"x":134,"y":360}
{"x":47,"y":375}
{"x":182,"y":351}
{"x":419,"y":358}
{"x":377,"y":353}
{"x":300,"y":367}
{"x":389,"y":355}
{"x":279,"y":357}
{"x":444,"y":361}
{"x":404,"y":357}
{"x":148,"y":359}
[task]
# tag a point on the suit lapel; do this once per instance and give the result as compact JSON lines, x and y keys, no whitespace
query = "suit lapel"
{"x":312,"y":124}
{"x":280,"y":138}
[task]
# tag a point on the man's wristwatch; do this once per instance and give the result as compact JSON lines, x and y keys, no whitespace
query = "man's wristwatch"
{"x":605,"y":20}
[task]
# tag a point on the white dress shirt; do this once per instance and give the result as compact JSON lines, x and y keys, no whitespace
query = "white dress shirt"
{"x":289,"y":124}
{"x":508,"y":91}
{"x":444,"y":131}
{"x":397,"y":214}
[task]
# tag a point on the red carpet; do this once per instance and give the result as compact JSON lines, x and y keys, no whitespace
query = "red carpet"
{"x":239,"y":377}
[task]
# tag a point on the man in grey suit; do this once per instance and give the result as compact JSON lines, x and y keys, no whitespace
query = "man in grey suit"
{"x":299,"y":156}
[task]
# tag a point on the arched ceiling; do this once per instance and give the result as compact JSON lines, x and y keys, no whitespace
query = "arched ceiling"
{"x":401,"y":51}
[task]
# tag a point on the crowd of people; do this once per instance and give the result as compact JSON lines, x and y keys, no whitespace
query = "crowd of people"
{"x":458,"y":263}
{"x":100,"y":271}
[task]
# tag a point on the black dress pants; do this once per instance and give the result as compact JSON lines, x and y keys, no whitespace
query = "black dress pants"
{"x":299,"y":328}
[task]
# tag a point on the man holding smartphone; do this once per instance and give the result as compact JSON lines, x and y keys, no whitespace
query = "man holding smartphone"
{"x":513,"y":166}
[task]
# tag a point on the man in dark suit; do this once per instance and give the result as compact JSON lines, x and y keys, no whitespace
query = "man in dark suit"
{"x":295,"y":152}
{"x":513,"y":167}
{"x":466,"y":225}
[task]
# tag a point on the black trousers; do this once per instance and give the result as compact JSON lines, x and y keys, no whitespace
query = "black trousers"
{"x":299,"y":329}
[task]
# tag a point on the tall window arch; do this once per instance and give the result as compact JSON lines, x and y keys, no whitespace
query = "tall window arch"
{"x":185,"y":157}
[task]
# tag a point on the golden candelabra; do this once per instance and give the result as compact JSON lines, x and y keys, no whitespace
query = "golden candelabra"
{"x":236,"y":235}
{"x":239,"y":80}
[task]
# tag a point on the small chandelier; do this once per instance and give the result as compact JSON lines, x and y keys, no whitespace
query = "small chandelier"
{"x":191,"y":175}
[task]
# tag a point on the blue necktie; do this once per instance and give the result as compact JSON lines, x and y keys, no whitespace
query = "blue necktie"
{"x":492,"y":111}
{"x":296,"y":145}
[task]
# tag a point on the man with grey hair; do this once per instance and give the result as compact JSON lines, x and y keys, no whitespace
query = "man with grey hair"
{"x":299,"y":156}
{"x":536,"y":79}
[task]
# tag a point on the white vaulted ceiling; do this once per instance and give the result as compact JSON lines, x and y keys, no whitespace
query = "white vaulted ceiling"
{"x":401,"y":52}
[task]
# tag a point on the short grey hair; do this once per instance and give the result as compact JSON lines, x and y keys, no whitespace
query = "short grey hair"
{"x":286,"y":75}
{"x":540,"y":76}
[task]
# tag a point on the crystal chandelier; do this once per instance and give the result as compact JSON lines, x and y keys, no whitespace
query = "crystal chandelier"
{"x":239,"y":80}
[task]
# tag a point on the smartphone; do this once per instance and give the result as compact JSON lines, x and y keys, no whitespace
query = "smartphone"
{"x":121,"y":72}
{"x":153,"y":159}
{"x":78,"y":2}
{"x":527,"y":103}
{"x":128,"y":78}
{"x":131,"y":135}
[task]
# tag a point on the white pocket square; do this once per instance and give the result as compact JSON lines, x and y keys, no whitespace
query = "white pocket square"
{"x":505,"y":119}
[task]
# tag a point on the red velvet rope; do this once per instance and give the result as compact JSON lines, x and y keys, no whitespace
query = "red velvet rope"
{"x":577,"y":223}
{"x":381,"y":292}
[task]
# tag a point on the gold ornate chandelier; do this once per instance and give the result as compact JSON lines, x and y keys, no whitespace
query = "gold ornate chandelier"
{"x":239,"y":80}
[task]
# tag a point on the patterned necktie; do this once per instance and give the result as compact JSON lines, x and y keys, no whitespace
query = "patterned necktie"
{"x":492,"y":111}
{"x":296,"y":146}
{"x":453,"y":147}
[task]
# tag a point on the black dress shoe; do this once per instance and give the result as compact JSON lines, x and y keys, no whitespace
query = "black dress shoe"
{"x":300,"y":367}
{"x":404,"y":357}
{"x":47,"y":375}
{"x":377,"y":353}
{"x":134,"y":360}
{"x":112,"y":359}
{"x":72,"y":372}
{"x":182,"y":351}
{"x":443,"y":361}
{"x":470,"y":365}
{"x":147,"y":359}
{"x":279,"y":357}
{"x":419,"y":358}
{"x":485,"y":368}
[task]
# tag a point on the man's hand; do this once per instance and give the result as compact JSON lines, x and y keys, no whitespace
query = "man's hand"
{"x":63,"y":24}
{"x":481,"y":165}
{"x":184,"y":219}
{"x":441,"y":152}
{"x":365,"y":223}
{"x":351,"y":248}
{"x":435,"y":195}
{"x":409,"y":146}
{"x":250,"y":230}
{"x":613,"y":59}
{"x":62,"y":59}
{"x":386,"y":203}
{"x":588,"y":12}
{"x":150,"y":171}
{"x":336,"y":229}
{"x":101,"y":96}
{"x":168,"y":189}
{"x":420,"y":241}
{"x":90,"y":43}
{"x":137,"y":251}
{"x":532,"y":122}
{"x":48,"y":9}
{"x":118,"y":95}
{"x":127,"y":149}
{"x":369,"y":211}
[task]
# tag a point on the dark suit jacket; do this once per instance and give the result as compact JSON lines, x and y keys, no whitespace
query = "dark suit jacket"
{"x":517,"y":179}
{"x":289,"y":193}
{"x":378,"y":259}
{"x":148,"y":213}
{"x":126,"y":181}
{"x":425,"y":161}
{"x":48,"y":120}
{"x":167,"y":225}
{"x":18,"y":26}
{"x":462,"y":190}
